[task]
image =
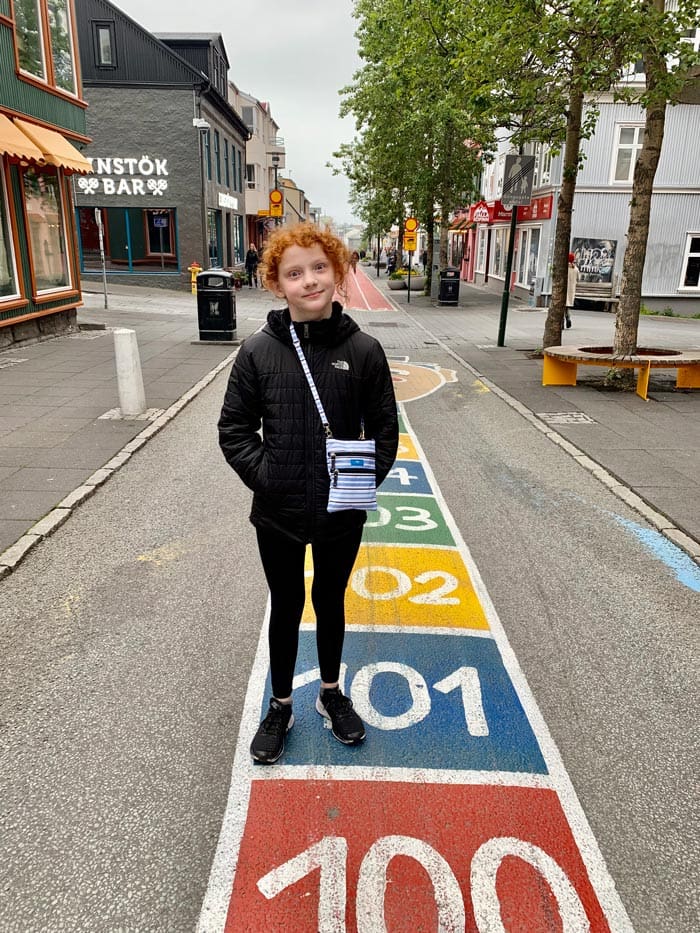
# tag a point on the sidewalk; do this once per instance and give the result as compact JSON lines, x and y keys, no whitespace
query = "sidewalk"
{"x":57,"y":446}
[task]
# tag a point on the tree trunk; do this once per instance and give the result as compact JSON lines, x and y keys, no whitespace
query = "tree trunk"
{"x":627,"y":319}
{"x":430,"y":232}
{"x":565,"y":204}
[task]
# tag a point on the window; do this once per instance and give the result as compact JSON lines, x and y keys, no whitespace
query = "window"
{"x":234,"y":180}
{"x":629,"y":142}
{"x":543,"y":166}
{"x":249,"y":115}
{"x":8,"y":267}
{"x":481,"y":250}
{"x":217,"y":156}
{"x":43,"y":202}
{"x":104,"y":46}
{"x":240,"y":170}
{"x":207,"y":153}
{"x":501,"y":235}
{"x":690,"y":277}
{"x":226,"y":165}
{"x":251,"y":176}
{"x":159,"y":232}
{"x":528,"y":249}
{"x":51,"y":57}
{"x":134,"y":240}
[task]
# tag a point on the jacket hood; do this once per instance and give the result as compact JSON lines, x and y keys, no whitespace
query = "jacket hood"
{"x":328,"y":332}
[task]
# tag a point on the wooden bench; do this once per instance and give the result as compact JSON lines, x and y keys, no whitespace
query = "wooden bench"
{"x":603,"y":292}
{"x":561,"y":364}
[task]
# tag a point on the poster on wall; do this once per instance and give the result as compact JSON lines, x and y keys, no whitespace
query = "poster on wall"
{"x":595,"y":258}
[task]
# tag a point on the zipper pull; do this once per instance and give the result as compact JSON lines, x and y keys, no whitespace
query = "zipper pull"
{"x":335,"y":477}
{"x":306,"y":330}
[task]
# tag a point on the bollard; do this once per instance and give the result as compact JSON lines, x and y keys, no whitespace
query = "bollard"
{"x":132,"y":398}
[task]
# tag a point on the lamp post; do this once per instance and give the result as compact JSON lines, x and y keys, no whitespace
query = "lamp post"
{"x":203,"y":128}
{"x":275,"y":163}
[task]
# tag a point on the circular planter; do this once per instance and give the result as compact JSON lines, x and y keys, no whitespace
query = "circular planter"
{"x":417,"y":283}
{"x":396,"y":284}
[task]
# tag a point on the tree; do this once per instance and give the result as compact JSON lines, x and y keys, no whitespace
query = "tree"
{"x":670,"y":66}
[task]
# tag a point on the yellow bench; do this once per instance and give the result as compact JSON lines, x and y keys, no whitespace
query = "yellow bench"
{"x":561,"y":364}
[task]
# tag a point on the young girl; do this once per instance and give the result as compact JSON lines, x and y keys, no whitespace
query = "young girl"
{"x":286,"y":468}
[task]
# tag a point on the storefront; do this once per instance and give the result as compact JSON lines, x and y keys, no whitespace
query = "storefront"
{"x":168,"y":155}
{"x":41,"y":120}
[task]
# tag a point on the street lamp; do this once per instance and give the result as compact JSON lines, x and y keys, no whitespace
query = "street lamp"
{"x":275,"y":164}
{"x":203,"y":128}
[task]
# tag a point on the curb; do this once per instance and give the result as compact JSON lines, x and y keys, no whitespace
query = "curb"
{"x":12,"y":556}
{"x":657,"y":519}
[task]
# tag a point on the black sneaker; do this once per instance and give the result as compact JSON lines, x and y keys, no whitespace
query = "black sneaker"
{"x":568,"y":322}
{"x":268,"y":744}
{"x":347,"y":726}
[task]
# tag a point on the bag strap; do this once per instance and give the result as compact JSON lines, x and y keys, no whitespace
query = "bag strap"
{"x":310,"y":380}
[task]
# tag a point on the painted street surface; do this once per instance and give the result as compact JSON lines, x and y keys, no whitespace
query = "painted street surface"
{"x":456,"y":813}
{"x":363,"y":293}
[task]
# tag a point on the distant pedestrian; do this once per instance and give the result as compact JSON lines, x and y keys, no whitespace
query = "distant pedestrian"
{"x":354,"y":259}
{"x":572,"y":277}
{"x":286,"y":467}
{"x":251,"y":265}
{"x":424,"y":260}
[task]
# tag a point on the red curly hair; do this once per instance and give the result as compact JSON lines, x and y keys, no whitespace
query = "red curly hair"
{"x":306,"y":235}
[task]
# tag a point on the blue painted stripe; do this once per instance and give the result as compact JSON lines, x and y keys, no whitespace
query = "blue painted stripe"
{"x":683,"y":567}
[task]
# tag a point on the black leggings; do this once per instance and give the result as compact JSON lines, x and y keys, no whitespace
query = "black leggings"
{"x":283,"y":563}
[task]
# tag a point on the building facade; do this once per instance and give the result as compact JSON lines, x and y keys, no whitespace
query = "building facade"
{"x":42,"y":122}
{"x":167,"y":152}
{"x":265,"y":159}
{"x":479,"y":235}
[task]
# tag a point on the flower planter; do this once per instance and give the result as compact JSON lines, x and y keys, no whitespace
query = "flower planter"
{"x":417,"y":283}
{"x":396,"y":284}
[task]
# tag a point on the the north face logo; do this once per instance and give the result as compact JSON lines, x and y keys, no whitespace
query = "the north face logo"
{"x":341,"y":364}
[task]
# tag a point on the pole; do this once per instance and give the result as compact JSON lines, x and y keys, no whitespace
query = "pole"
{"x":100,"y":233}
{"x":410,"y":260}
{"x":506,"y":287}
{"x":379,"y":251}
{"x":205,"y":239}
{"x":132,"y":398}
{"x":275,"y":160}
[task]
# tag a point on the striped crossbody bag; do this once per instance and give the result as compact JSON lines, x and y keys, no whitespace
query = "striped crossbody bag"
{"x":351,"y":464}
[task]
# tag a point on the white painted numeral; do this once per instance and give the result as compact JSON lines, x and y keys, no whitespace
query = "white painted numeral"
{"x":372,"y":882}
{"x":467,"y":679}
{"x":437,"y":597}
{"x":331,"y":856}
{"x":383,"y":518}
{"x":421,"y":519}
{"x":485,"y":864}
{"x":404,"y":585}
{"x":402,"y":475}
{"x":420,"y":698}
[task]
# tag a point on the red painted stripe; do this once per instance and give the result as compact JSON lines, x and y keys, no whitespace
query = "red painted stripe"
{"x":363,"y":294}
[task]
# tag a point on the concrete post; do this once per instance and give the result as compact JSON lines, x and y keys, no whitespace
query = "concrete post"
{"x":132,"y":398}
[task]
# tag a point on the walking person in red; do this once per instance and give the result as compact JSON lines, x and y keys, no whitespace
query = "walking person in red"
{"x":287,"y":469}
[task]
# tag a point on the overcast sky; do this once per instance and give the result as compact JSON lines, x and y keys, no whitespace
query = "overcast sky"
{"x":295,"y":54}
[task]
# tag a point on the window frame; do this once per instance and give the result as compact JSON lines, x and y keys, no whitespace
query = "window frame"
{"x":47,"y":81}
{"x":227,"y":167}
{"x":687,"y":254}
{"x":18,"y":297}
{"x":217,"y":156}
{"x":150,"y":254}
{"x":525,"y":235}
{"x":482,"y":236}
{"x":97,"y":25}
{"x":207,"y":152}
{"x":636,"y":148}
{"x":50,"y":294}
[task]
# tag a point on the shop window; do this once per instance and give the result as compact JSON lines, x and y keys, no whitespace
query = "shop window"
{"x":227,"y":174}
{"x":217,"y":156}
{"x":104,"y":45}
{"x":8,"y":265}
{"x":500,"y":251}
{"x":135,"y":240}
{"x":51,"y":57}
{"x":43,"y":203}
{"x":481,"y":250}
{"x":629,"y":141}
{"x":215,"y":239}
{"x":690,"y":277}
{"x":528,"y":250}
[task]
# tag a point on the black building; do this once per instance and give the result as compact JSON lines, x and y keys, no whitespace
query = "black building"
{"x":168,"y":152}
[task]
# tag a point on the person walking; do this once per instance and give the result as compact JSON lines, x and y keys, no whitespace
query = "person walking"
{"x":286,"y":466}
{"x":251,"y":265}
{"x":571,"y":283}
{"x":354,"y":259}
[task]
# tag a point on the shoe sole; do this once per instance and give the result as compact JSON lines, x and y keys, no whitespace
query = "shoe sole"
{"x":321,"y":709}
{"x":271,"y":761}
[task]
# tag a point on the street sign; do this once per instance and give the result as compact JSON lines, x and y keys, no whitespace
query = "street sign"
{"x":160,"y":220}
{"x":276,"y":196}
{"x":410,"y":242}
{"x":411,"y":225}
{"x":517,"y":180}
{"x":276,"y":210}
{"x":263,"y":213}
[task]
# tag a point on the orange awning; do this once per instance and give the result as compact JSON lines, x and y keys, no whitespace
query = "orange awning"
{"x":55,"y":148}
{"x":14,"y":143}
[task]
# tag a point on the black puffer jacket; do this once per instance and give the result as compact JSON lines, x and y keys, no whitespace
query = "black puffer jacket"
{"x":286,"y":467}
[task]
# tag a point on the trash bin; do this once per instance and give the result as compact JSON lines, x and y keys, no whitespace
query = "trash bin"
{"x":449,"y":286}
{"x":216,"y":305}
